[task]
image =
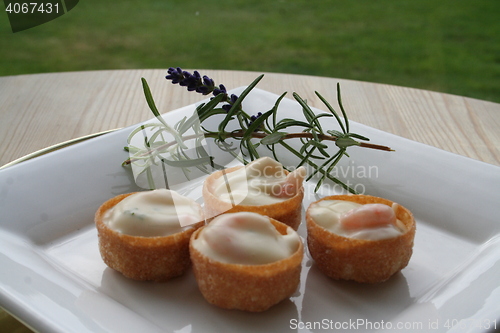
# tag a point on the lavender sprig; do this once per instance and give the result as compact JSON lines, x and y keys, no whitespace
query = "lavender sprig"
{"x":203,"y":85}
{"x":194,"y":82}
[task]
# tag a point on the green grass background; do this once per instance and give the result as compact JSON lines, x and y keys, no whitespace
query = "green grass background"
{"x":449,"y":46}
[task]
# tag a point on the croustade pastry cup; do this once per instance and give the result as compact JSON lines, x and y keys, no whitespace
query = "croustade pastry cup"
{"x":288,"y":211}
{"x":253,"y":288}
{"x":143,"y":258}
{"x":366,"y":261}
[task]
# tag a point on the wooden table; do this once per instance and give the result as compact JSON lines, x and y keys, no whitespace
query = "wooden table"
{"x":37,"y":111}
{"x":41,"y":110}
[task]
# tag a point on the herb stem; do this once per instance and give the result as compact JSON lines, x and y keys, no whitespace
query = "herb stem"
{"x":258,"y":135}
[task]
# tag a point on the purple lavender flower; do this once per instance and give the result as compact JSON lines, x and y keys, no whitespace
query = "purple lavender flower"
{"x":175,"y":74}
{"x":203,"y":85}
{"x":254,"y":118}
{"x":220,"y":90}
{"x":231,"y":101}
{"x":194,"y":82}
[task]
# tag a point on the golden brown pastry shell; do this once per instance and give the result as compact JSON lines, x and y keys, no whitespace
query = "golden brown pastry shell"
{"x":143,"y":258}
{"x":253,"y":288}
{"x":356,"y":259}
{"x":288,"y":211}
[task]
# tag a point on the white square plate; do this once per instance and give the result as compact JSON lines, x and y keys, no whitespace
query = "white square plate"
{"x":54,"y":280}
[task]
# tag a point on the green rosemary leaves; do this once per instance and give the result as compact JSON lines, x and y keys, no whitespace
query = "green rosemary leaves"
{"x":239,"y":134}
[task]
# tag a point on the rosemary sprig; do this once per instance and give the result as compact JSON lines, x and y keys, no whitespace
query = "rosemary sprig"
{"x":251,"y":131}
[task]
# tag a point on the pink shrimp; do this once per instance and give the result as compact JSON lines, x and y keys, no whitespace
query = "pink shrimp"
{"x":291,"y":184}
{"x":223,"y":237}
{"x":285,"y":190}
{"x":368,"y":216}
{"x":221,"y":240}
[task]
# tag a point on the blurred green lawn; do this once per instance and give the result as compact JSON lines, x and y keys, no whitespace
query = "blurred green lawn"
{"x":450,"y":46}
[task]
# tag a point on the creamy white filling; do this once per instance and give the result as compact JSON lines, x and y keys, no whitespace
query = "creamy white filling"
{"x":261,"y":182}
{"x":245,"y":238}
{"x":153,"y":213}
{"x":353,"y":220}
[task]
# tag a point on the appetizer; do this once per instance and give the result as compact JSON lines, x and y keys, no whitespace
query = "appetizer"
{"x":262,"y":186}
{"x":359,"y":237}
{"x":145,"y":235}
{"x":246,"y":261}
